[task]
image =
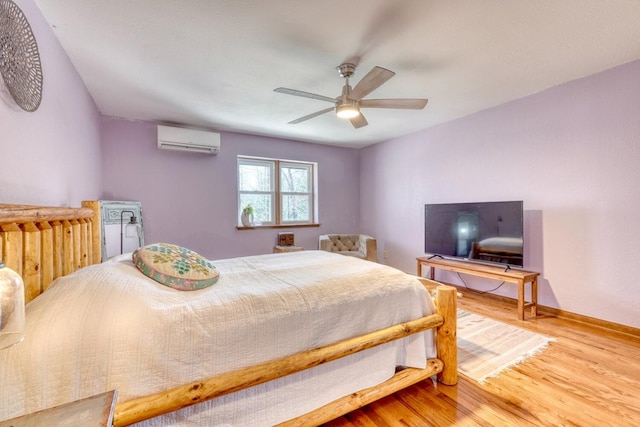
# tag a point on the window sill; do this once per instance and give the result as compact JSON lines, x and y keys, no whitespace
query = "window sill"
{"x":258,"y":227}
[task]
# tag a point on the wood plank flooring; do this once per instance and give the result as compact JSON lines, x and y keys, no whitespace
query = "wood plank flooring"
{"x":590,"y":376}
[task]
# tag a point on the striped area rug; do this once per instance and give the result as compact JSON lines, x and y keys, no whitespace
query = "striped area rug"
{"x":487,"y":347}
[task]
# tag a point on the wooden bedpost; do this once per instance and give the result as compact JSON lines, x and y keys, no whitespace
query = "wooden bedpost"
{"x":96,"y":230}
{"x":446,"y":341}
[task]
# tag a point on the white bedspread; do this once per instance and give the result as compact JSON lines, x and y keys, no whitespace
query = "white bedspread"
{"x":109,"y":327}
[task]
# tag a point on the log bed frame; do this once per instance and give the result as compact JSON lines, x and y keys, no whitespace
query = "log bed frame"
{"x":43,"y":243}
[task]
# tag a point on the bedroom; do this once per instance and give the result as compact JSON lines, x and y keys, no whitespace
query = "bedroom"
{"x":569,"y":151}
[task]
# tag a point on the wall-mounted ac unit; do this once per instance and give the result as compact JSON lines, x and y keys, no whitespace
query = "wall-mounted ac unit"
{"x":197,"y":141}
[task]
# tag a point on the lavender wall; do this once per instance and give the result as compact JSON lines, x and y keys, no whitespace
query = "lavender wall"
{"x":571,"y":153}
{"x":50,"y":156}
{"x":190,"y":199}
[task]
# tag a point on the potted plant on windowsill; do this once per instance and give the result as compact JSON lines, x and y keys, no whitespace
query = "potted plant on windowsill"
{"x":247,"y":216}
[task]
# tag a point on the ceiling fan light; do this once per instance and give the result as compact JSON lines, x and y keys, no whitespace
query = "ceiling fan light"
{"x":347,"y":111}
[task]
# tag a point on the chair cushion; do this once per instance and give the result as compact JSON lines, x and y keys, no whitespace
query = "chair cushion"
{"x":345,"y":242}
{"x":357,"y":245}
{"x":176,"y":267}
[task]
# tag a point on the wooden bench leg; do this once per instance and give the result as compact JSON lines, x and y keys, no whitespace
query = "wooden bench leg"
{"x":534,"y":297}
{"x":521,"y":300}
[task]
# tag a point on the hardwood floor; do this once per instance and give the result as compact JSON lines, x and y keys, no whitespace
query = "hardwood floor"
{"x":590,"y":376}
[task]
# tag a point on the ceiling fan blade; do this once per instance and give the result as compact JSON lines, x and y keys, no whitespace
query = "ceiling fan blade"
{"x":359,"y":121}
{"x":401,"y":103}
{"x":372,"y":81}
{"x":311,"y":116}
{"x":304,"y":94}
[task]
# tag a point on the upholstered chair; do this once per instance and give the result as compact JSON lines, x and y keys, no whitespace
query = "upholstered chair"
{"x":357,"y":245}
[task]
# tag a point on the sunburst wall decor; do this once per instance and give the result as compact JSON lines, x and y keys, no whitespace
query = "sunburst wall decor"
{"x":19,"y":57}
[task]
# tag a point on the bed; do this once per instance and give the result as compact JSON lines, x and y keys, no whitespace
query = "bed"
{"x":507,"y":250}
{"x":281,"y":339}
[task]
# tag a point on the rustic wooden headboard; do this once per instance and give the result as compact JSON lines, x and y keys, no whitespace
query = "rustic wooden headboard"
{"x":44,"y":243}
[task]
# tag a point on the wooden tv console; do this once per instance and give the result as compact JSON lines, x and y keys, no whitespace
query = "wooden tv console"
{"x":516,"y":276}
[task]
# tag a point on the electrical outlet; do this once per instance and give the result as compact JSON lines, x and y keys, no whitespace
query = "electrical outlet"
{"x":385,"y":254}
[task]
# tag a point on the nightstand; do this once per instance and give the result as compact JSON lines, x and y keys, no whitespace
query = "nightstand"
{"x":92,"y":411}
{"x":288,"y":248}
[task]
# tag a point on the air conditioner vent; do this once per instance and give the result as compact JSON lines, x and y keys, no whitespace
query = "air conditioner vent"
{"x":192,"y":140}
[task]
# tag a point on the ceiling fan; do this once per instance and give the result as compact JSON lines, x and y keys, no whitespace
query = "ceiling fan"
{"x":348,"y":104}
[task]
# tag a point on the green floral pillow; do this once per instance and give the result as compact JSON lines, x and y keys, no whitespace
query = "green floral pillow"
{"x":176,"y":267}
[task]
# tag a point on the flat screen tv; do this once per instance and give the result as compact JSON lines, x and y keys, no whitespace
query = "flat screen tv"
{"x":490,"y":232}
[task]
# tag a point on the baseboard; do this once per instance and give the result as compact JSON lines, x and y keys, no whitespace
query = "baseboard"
{"x":592,"y":321}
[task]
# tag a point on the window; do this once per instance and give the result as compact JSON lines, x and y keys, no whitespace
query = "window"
{"x":281,"y":192}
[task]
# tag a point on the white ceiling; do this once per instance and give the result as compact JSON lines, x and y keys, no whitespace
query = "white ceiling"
{"x":213,"y":64}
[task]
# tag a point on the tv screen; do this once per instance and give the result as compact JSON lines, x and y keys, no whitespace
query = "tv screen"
{"x":486,"y":232}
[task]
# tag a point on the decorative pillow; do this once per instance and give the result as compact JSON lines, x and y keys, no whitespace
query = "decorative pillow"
{"x":176,"y":267}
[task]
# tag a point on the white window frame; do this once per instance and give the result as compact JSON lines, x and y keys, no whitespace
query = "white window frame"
{"x":277,"y":194}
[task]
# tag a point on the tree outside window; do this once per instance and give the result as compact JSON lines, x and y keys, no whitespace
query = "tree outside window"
{"x":281,"y":192}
